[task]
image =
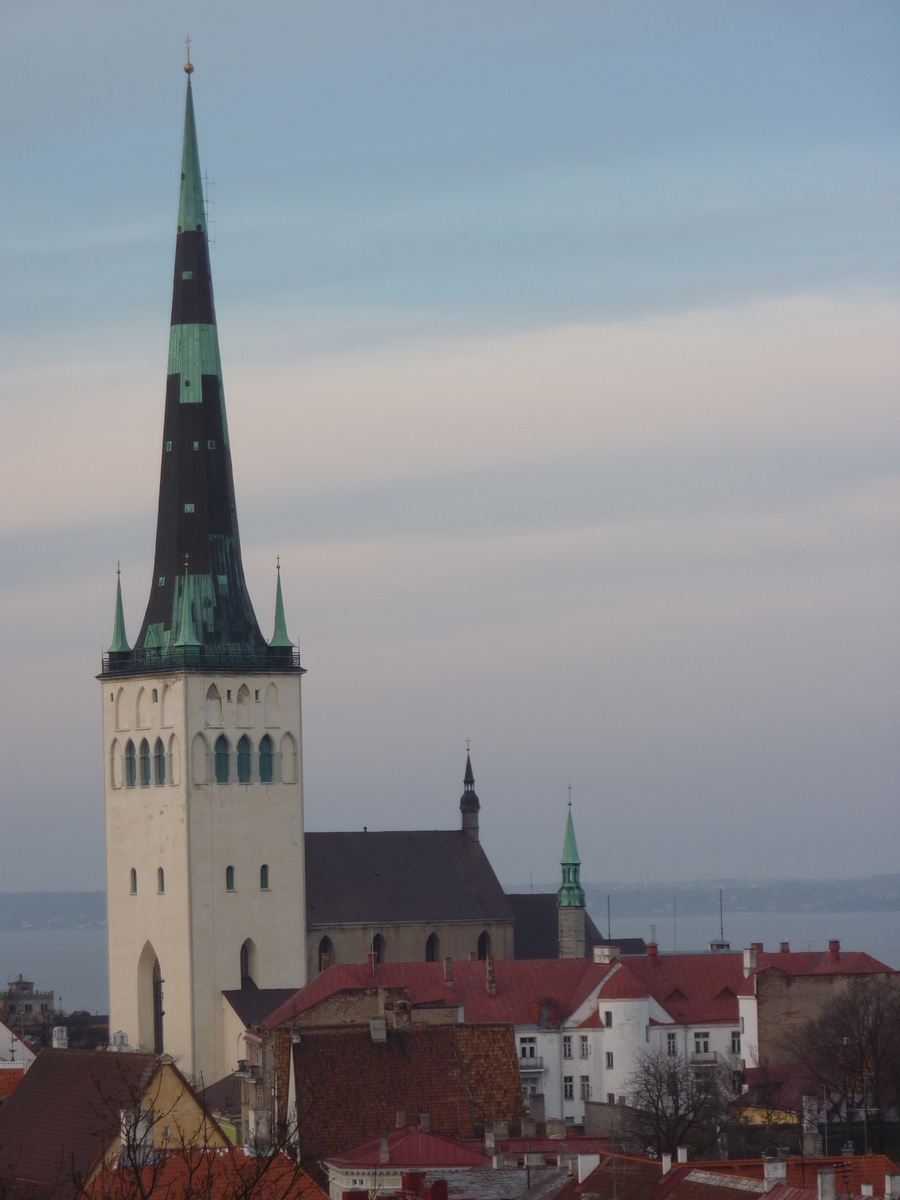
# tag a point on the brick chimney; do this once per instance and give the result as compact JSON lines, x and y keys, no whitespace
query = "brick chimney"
{"x":490,"y":982}
{"x":653,"y":954}
{"x":784,"y":948}
{"x":834,"y":949}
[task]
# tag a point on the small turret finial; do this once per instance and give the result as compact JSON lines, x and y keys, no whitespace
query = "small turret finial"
{"x":119,"y":568}
{"x":570,"y":795}
{"x":277,"y":562}
{"x":467,"y":746}
{"x":188,"y":66}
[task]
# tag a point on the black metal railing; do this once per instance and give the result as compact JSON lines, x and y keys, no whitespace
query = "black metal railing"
{"x":151,"y":661}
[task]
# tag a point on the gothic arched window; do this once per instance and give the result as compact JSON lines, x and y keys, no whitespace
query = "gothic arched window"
{"x":431,"y":948}
{"x":159,"y":762}
{"x":248,"y":960}
{"x":265,"y":760}
{"x":243,"y":760}
{"x":229,"y":879}
{"x":326,"y":953}
{"x":264,"y":877}
{"x":222,"y":759}
{"x":130,"y":764}
{"x":378,"y":948}
{"x":160,"y":881}
{"x":158,"y":1012}
{"x":484,"y":945}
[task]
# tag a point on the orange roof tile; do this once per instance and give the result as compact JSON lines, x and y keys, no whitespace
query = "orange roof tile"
{"x":212,"y":1174}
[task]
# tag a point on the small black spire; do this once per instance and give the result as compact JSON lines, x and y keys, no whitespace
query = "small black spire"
{"x":469,"y":804}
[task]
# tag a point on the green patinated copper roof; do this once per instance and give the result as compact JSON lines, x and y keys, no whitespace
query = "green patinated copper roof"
{"x":119,"y":644}
{"x":280,"y":636}
{"x":187,"y":633}
{"x":571,"y":894}
{"x":191,"y":209}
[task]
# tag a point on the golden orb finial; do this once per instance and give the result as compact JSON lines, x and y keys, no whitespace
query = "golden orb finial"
{"x":188,"y":66}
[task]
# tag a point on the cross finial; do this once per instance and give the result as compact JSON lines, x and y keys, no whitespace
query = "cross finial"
{"x":467,"y":745}
{"x":188,"y":66}
{"x":570,"y":795}
{"x":118,"y":568}
{"x":277,"y":562}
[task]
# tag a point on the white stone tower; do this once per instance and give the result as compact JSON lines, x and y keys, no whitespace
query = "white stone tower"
{"x":201,"y":729}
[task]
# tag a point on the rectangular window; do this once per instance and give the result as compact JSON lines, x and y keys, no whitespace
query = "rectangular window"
{"x":156,"y":695}
{"x":528,"y":1047}
{"x":44,"y":1007}
{"x":168,"y":445}
{"x":568,"y":1087}
{"x":609,"y":1060}
{"x":701,"y":1042}
{"x":742,"y":1024}
{"x":229,"y":693}
{"x":610,"y":1097}
{"x":584,"y":1045}
{"x":187,"y":274}
{"x":28,"y":1008}
{"x":211,"y":445}
{"x":189,"y":508}
{"x":567,"y":1045}
{"x":162,"y":580}
{"x":196,"y":445}
{"x":257,"y":693}
{"x":735,"y":1041}
{"x":672,"y":1043}
{"x":585,"y":1087}
{"x":607,"y":1019}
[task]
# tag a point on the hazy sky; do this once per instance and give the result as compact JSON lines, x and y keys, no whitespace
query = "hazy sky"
{"x":560,"y":345}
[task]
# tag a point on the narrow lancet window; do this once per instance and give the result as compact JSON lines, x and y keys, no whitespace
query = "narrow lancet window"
{"x":222,"y":759}
{"x":264,"y":877}
{"x":159,"y":762}
{"x":160,"y":881}
{"x":133,"y":882}
{"x":229,"y":879}
{"x":243,"y":760}
{"x":130,"y":764}
{"x":265,"y":760}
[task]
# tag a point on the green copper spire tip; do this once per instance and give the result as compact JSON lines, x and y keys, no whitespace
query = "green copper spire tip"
{"x":120,"y":641}
{"x":571,"y":894}
{"x":191,"y":209}
{"x":280,"y":636}
{"x":187,"y":635}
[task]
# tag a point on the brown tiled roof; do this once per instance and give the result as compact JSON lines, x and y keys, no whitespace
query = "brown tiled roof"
{"x":536,"y":932}
{"x":66,"y":1110}
{"x":407,"y":875}
{"x":213,"y":1174}
{"x":349,"y":1088}
{"x":627,"y":1178}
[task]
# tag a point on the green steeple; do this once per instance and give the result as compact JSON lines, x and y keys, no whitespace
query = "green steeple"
{"x":119,"y":643}
{"x":187,"y":634}
{"x":280,"y":636}
{"x":571,"y":894}
{"x":191,"y":209}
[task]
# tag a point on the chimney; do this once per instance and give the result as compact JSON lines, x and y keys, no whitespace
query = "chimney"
{"x":666,"y":1163}
{"x":498,"y":1161}
{"x":378,"y":1029}
{"x":892,"y":1186}
{"x":825,"y":1184}
{"x":682,"y":1154}
{"x":384,"y":1154}
{"x":606,"y":953}
{"x":834,"y":949}
{"x":489,"y":1139}
{"x":61,"y":1037}
{"x":749,"y":960}
{"x":448,"y":971}
{"x":774,"y":1173}
{"x":784,"y":947}
{"x":489,"y":976}
{"x":653,"y":954}
{"x":424,"y":1122}
{"x":401,"y":1118}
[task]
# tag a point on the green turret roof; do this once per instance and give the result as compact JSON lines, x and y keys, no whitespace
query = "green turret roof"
{"x":119,"y":643}
{"x":280,"y":636}
{"x":191,"y":209}
{"x":187,"y":633}
{"x":571,"y":894}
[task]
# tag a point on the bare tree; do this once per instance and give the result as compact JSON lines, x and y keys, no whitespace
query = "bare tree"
{"x":673,"y":1104}
{"x":853,"y":1052}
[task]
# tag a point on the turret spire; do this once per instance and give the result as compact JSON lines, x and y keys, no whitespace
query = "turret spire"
{"x":571,"y":892}
{"x":280,"y":639}
{"x":469,"y":804}
{"x":119,"y":644}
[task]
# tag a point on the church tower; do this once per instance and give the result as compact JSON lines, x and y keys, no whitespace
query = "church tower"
{"x":201,"y":728}
{"x":570,"y":898}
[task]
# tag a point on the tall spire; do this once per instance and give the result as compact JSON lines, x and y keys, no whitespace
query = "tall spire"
{"x":571,"y":894}
{"x":119,"y":644}
{"x":280,"y":639}
{"x":469,"y":804}
{"x":197,"y":517}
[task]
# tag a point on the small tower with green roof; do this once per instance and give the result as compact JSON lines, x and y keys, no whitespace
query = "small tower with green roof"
{"x":570,"y":897}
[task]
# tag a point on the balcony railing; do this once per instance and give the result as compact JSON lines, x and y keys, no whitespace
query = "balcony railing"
{"x":153,"y":661}
{"x":531,"y":1064}
{"x":704,"y":1058}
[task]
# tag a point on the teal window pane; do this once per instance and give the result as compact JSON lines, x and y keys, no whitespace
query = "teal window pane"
{"x":130,"y":765}
{"x":243,"y":760}
{"x":222,"y":760}
{"x":265,"y":760}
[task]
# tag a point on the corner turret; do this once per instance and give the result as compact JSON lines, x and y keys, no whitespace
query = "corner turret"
{"x":119,"y":645}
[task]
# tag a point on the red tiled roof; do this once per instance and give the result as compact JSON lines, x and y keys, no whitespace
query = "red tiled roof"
{"x":411,"y":1147}
{"x":350,"y":1088}
{"x":815,"y":962}
{"x":692,"y":988}
{"x":212,"y":1174}
{"x":851,"y":1173}
{"x":66,"y":1111}
{"x":520,"y":986}
{"x":633,"y":1178}
{"x":11,"y":1075}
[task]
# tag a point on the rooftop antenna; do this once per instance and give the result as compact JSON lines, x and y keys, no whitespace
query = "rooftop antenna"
{"x":721,"y":920}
